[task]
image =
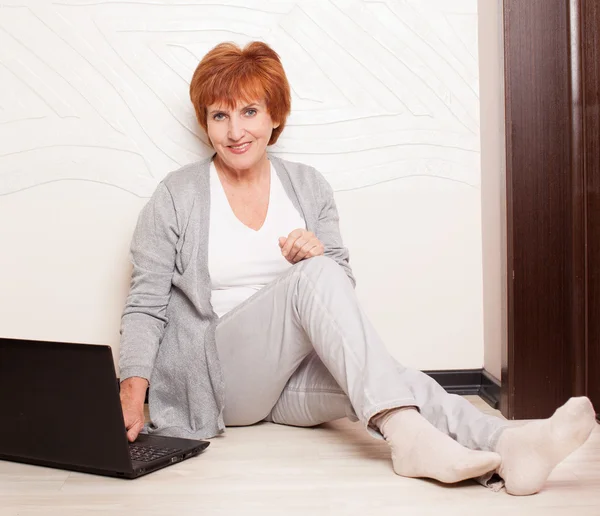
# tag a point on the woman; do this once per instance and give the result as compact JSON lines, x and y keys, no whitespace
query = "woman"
{"x":242,"y":307}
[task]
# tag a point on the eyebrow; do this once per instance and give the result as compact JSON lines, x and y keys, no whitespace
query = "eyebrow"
{"x":214,"y":111}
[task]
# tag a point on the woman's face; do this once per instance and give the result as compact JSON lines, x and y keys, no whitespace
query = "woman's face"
{"x":240,"y":136}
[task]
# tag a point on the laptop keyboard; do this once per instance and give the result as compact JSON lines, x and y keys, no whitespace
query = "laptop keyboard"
{"x":149,"y":453}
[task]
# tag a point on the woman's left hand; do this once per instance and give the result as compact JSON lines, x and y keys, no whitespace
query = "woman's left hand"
{"x":300,"y":244}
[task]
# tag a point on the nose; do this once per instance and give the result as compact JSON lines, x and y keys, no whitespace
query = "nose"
{"x":236,"y":129}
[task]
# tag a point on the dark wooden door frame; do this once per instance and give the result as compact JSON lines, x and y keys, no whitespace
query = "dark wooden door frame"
{"x":591,"y":158}
{"x":552,"y":85}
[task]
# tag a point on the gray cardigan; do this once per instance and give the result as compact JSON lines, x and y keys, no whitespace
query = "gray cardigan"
{"x":168,"y":324}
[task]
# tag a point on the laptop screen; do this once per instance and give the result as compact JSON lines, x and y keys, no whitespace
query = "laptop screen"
{"x":60,"y":405}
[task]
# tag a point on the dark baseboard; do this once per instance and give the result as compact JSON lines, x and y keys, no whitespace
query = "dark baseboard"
{"x":474,"y":382}
{"x":464,"y":382}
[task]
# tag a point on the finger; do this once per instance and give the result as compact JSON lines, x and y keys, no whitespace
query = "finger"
{"x":132,"y":434}
{"x":302,"y":240}
{"x":296,"y":248}
{"x":134,"y":431}
{"x":292,"y":237}
{"x":306,"y":251}
{"x":287,"y":248}
{"x":317,"y":251}
{"x":282,"y":241}
{"x":298,"y":232}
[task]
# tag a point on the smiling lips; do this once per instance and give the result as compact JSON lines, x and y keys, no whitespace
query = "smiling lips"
{"x":239,"y":149}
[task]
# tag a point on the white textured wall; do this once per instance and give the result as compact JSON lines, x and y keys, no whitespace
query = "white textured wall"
{"x":493,"y":183}
{"x":94,"y":112}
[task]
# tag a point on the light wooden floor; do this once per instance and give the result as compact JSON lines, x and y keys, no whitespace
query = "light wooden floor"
{"x":275,"y":470}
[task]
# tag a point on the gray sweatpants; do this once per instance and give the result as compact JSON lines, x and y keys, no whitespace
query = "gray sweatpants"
{"x":302,"y":352}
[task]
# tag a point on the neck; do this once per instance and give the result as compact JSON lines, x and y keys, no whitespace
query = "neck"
{"x":250,"y":175}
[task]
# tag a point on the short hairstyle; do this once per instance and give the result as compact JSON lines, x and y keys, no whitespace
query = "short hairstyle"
{"x":229,"y":74}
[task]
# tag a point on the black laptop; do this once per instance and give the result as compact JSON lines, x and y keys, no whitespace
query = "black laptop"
{"x":60,"y":407}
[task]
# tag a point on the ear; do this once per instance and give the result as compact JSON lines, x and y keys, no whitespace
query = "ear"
{"x":276,"y":125}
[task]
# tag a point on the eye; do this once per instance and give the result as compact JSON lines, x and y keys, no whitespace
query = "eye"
{"x":251,"y":112}
{"x":219,"y":116}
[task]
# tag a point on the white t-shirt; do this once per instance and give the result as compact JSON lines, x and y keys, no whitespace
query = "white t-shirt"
{"x":241,"y":260}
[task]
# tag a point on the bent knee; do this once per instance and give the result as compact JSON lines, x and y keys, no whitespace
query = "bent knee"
{"x":320,"y":264}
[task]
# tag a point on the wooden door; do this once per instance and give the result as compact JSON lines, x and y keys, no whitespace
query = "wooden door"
{"x":552,"y":78}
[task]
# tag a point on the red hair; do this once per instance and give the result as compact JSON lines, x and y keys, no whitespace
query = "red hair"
{"x":229,"y":74}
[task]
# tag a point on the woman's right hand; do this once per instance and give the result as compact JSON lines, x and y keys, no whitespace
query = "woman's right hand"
{"x":133,"y":394}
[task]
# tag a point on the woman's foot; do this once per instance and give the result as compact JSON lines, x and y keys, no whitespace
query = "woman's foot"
{"x":421,"y":450}
{"x":530,"y":452}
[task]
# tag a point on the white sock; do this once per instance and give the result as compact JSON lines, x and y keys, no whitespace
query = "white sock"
{"x":421,"y":450}
{"x":530,"y":452}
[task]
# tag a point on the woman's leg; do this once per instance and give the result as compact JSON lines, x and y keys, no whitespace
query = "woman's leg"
{"x":313,"y":307}
{"x":311,"y":397}
{"x":529,"y":451}
{"x":270,"y":366}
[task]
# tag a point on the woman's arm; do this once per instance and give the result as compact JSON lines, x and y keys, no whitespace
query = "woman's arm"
{"x":328,"y":228}
{"x":133,"y":394}
{"x":153,"y":250}
{"x":144,"y":317}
